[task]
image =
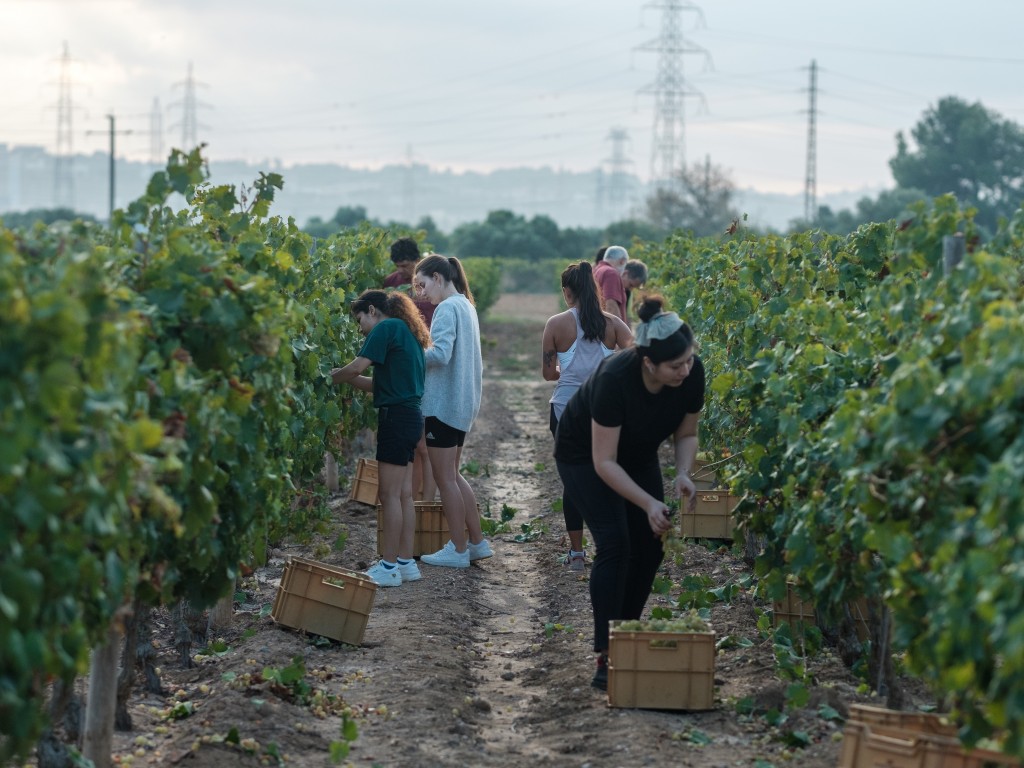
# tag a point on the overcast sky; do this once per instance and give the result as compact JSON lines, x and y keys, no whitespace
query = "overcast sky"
{"x":483,"y":84}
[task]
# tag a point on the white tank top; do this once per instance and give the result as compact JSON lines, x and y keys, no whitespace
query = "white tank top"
{"x":575,"y":366}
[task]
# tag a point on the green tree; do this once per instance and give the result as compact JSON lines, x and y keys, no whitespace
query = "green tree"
{"x":625,"y":231}
{"x":504,"y":234}
{"x":890,"y":204}
{"x":346,"y":217}
{"x":45,"y":215}
{"x":969,"y":151}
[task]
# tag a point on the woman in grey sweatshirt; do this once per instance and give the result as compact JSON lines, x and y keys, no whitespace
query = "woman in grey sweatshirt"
{"x":451,"y":401}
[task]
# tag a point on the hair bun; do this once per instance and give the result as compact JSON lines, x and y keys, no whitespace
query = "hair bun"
{"x":651,"y":306}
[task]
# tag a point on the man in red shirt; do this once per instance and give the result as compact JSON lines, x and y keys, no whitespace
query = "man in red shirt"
{"x":608,"y":274}
{"x":404,"y":254}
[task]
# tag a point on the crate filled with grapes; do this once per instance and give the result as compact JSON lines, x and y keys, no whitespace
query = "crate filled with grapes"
{"x":662,"y":664}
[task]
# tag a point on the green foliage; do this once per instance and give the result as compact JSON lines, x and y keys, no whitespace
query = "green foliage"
{"x":163,"y":393}
{"x":484,"y":277}
{"x":969,"y":151}
{"x":875,"y":406}
{"x":77,"y":466}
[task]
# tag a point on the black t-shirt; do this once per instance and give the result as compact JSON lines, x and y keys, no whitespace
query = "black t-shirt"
{"x":615,"y":396}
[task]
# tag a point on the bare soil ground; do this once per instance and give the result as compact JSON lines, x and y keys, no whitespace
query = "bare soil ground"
{"x":489,"y":666}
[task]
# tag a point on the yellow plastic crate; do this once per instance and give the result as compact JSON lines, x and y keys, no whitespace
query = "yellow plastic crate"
{"x":883,"y":737}
{"x":713,"y":517}
{"x":799,"y":613}
{"x":366,"y":482}
{"x":325,"y":600}
{"x":661,"y":670}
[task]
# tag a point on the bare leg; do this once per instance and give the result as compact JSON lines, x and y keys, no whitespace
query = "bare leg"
{"x":444,"y":464}
{"x":392,"y":484}
{"x":576,"y":540}
{"x":476,"y":534}
{"x":428,"y":489}
{"x":408,"y":534}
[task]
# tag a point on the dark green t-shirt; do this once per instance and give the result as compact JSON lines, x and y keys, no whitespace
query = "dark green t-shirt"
{"x":398,"y":366}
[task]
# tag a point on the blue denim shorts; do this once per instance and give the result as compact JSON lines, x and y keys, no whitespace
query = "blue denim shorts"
{"x":399,"y":429}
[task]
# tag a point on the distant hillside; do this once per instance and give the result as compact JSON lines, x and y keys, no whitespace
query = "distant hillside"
{"x":394,"y":193}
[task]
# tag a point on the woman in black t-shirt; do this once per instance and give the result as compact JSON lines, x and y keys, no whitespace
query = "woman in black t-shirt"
{"x":606,"y":449}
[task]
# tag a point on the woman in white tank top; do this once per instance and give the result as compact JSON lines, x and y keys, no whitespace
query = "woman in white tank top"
{"x":573,"y":345}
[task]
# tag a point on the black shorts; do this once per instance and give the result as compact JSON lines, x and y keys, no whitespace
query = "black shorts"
{"x":440,"y":435}
{"x":399,"y":429}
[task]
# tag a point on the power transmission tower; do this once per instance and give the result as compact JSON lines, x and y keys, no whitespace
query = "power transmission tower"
{"x":156,"y":134}
{"x":668,"y":145}
{"x":618,"y":180}
{"x":811,"y":178}
{"x":190,"y":105}
{"x":63,"y":177}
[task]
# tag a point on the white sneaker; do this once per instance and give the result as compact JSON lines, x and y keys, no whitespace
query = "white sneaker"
{"x":480,"y":551}
{"x":385,"y":577}
{"x":410,"y":571}
{"x":448,"y":557}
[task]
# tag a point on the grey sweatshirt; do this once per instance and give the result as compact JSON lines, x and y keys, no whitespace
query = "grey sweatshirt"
{"x":454,"y":364}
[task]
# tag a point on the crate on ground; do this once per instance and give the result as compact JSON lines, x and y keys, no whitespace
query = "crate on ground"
{"x":366,"y":482}
{"x":713,"y":518}
{"x":432,"y":530}
{"x":883,"y":737}
{"x":800,"y":613}
{"x":661,"y":670}
{"x":325,"y":600}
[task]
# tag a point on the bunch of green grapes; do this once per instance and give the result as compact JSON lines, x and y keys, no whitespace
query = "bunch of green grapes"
{"x":687,"y":623}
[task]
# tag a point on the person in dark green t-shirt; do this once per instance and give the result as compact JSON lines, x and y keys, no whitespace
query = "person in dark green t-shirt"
{"x":395,"y":339}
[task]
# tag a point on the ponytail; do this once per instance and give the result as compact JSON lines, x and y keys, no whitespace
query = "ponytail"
{"x":579,"y":279}
{"x":450,"y":269}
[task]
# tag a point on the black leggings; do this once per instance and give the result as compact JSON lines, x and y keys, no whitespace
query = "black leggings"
{"x":571,"y":513}
{"x":628,"y":551}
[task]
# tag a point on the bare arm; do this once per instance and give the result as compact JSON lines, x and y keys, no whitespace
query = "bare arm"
{"x":623,"y":336}
{"x":605,"y":455}
{"x":549,"y":352}
{"x":351,"y":374}
{"x":612,"y":306}
{"x":685,"y":439}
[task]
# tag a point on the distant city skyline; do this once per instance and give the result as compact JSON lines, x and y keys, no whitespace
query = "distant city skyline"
{"x":459,"y":85}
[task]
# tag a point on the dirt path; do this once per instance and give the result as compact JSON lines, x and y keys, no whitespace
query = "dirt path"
{"x":488,"y":666}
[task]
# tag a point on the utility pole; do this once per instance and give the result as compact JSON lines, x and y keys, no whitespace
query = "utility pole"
{"x":112,"y":131}
{"x":63,"y":177}
{"x":668,"y":145}
{"x":811,"y":178}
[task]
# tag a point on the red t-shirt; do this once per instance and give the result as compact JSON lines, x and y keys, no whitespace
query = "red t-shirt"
{"x":395,"y":280}
{"x":610,"y":284}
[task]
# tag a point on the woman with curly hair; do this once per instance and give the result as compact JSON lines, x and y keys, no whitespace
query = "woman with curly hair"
{"x":396,"y":338}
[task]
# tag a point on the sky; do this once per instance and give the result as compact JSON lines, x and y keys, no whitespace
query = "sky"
{"x":486,"y":84}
